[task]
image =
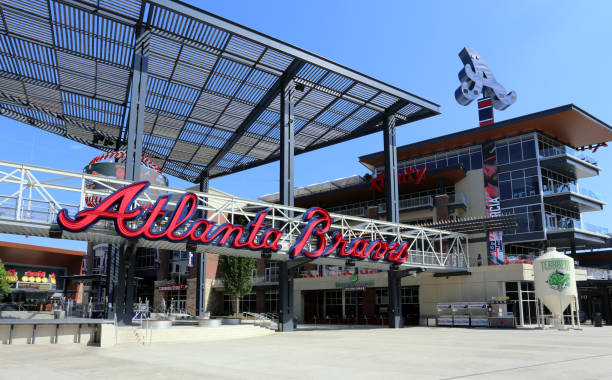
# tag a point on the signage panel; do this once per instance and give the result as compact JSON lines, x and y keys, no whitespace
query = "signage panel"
{"x":119,"y":208}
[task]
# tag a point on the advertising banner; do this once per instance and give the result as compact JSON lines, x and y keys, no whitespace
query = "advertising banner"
{"x":489,"y":168}
{"x":35,"y":278}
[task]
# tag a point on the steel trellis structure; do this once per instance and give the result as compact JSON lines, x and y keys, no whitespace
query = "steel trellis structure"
{"x":31,"y":196}
{"x":212,"y":96}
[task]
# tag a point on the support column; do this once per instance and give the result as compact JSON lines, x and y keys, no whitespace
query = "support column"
{"x":131,"y":284}
{"x":120,"y":288}
{"x":394,"y":283}
{"x":201,"y":272}
{"x":287,"y":150}
{"x":134,"y":138}
{"x":392,"y":202}
{"x":391,"y":183}
{"x":137,"y":106}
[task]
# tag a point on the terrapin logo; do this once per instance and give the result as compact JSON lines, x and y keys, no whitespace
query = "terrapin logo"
{"x":558,"y":280}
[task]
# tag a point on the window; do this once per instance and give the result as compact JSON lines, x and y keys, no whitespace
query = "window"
{"x":523,"y":296}
{"x":515,"y":149}
{"x":248,"y":303}
{"x":410,"y":295}
{"x":502,"y":155}
{"x":528,"y":218}
{"x":271,"y":301}
{"x":271,"y":271}
{"x":470,"y":158}
{"x":333,"y":303}
{"x":516,"y":152}
{"x":519,"y":183}
{"x":145,"y":258}
{"x":382,"y":296}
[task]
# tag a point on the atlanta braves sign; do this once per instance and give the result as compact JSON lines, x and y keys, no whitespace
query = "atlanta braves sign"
{"x":157,"y":223}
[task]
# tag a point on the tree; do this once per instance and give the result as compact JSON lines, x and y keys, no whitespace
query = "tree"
{"x":237,"y":276}
{"x":5,"y":287}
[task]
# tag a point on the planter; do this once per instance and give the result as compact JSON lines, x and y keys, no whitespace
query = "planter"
{"x":231,"y":321}
{"x":209,"y":322}
{"x":157,"y":324}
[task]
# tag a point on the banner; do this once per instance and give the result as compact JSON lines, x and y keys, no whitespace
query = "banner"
{"x":489,"y":168}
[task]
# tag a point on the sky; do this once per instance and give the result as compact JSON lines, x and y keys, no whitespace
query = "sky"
{"x":551,"y":53}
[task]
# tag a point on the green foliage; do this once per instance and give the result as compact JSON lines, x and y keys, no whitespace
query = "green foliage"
{"x":237,"y":275}
{"x":5,"y":287}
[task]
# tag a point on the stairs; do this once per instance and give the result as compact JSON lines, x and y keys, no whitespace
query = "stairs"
{"x":189,"y":334}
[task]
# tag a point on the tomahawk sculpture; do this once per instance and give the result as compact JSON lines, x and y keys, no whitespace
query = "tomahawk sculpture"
{"x":477,"y":80}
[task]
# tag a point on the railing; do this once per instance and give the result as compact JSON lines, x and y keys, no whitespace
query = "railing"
{"x":409,"y":203}
{"x":31,"y":197}
{"x":557,"y":222}
{"x":267,"y":320}
{"x":554,"y":151}
{"x":551,"y":186}
{"x":457,"y":199}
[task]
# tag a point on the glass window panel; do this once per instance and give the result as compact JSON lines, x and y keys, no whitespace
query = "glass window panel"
{"x":464,"y":160}
{"x":522,"y":223}
{"x":531,"y":172}
{"x":528,"y":149}
{"x":504,"y":176}
{"x":515,"y":152}
{"x":536,"y":223}
{"x":517,"y":174}
{"x":532,"y":186}
{"x":452,"y":160}
{"x":431,"y":165}
{"x":476,"y":160}
{"x":502,"y":155}
{"x":518,"y":188}
{"x":505,"y":190}
{"x":441,"y":163}
{"x":511,"y":287}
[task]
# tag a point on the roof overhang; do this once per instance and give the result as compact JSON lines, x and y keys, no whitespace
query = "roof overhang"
{"x":568,"y":124}
{"x":213,"y":90}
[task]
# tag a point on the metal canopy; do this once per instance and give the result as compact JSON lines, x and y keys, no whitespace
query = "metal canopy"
{"x":212,"y":102}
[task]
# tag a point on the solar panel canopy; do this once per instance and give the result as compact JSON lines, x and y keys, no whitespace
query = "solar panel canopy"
{"x":213,"y":86}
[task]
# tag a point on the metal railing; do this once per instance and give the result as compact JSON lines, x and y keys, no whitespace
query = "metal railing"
{"x":23,"y":186}
{"x":554,"y":151}
{"x":551,"y":186}
{"x":267,"y":320}
{"x":557,"y":222}
{"x":409,"y":203}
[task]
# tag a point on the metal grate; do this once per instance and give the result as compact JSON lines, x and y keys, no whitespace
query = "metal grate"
{"x":212,"y":90}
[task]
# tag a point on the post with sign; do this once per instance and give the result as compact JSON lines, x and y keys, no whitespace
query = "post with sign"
{"x":477,"y":80}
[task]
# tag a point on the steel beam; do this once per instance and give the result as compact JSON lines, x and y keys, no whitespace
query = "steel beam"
{"x":120,"y":288}
{"x":137,"y":105}
{"x":132,"y":250}
{"x":201,"y":268}
{"x":391,"y":183}
{"x":394,"y":280}
{"x":287,"y":150}
{"x":285,"y":295}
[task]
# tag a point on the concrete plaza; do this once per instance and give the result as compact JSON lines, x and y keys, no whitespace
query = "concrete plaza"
{"x":416,"y":353}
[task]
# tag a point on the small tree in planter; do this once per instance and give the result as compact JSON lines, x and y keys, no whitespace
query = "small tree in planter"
{"x":237,"y":277}
{"x":5,"y":287}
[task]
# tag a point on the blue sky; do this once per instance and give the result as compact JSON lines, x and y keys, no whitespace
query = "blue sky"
{"x":550,"y":52}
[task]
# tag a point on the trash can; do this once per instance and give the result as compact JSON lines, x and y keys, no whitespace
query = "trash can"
{"x":597,"y":320}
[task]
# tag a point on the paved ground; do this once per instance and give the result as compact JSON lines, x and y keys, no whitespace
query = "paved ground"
{"x":416,"y":353}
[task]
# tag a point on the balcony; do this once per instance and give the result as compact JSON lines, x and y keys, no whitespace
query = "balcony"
{"x":569,"y":161}
{"x":407,"y":204}
{"x":570,"y":195}
{"x":456,"y":201}
{"x":558,"y":223}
